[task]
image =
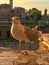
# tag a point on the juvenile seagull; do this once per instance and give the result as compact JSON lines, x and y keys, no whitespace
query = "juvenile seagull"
{"x":23,"y":33}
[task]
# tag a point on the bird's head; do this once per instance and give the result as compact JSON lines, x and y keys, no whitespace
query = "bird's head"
{"x":15,"y":20}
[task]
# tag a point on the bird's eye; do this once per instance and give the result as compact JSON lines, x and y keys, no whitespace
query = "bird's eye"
{"x":16,"y":18}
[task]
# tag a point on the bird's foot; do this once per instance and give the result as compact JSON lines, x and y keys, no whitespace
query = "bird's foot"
{"x":25,"y":52}
{"x":18,"y":51}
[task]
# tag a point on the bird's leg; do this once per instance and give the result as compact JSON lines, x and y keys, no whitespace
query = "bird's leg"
{"x":20,"y":45}
{"x":26,"y":53}
{"x":19,"y":49}
{"x":26,"y":46}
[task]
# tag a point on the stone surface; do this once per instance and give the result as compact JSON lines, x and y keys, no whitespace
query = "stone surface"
{"x":33,"y":57}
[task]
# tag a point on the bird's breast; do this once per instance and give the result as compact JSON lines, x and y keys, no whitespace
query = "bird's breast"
{"x":18,"y":33}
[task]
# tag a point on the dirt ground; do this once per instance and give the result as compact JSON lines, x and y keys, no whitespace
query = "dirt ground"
{"x":20,"y":57}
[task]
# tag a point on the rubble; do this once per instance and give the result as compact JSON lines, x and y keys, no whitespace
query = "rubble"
{"x":25,"y":57}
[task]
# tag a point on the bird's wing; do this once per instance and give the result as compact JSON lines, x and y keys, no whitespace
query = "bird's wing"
{"x":31,"y":34}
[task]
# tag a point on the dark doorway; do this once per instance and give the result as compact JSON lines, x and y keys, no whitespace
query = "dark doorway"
{"x":0,"y":33}
{"x":8,"y":34}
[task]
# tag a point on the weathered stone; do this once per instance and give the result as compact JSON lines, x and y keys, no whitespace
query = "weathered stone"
{"x":21,"y":62}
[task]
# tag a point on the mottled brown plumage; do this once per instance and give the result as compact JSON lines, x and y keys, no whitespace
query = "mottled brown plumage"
{"x":23,"y":33}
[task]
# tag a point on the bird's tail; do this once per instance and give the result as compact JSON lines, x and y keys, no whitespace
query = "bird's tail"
{"x":35,"y":27}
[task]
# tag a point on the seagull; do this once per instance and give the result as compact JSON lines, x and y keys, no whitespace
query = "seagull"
{"x":23,"y":33}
